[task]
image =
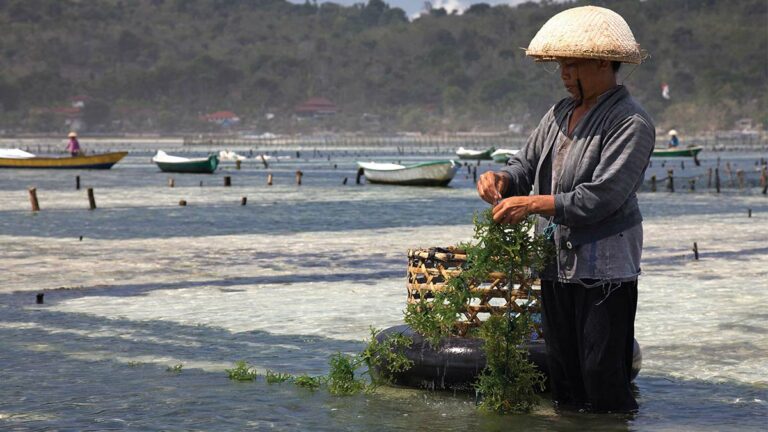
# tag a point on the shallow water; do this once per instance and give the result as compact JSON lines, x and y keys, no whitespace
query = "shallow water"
{"x":300,"y":273}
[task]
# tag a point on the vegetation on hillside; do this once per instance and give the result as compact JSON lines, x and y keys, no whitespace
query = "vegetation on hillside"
{"x":157,"y":65}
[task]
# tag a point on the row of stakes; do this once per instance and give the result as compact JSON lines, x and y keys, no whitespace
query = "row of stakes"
{"x":171,"y":183}
{"x":692,"y":182}
{"x":299,"y":174}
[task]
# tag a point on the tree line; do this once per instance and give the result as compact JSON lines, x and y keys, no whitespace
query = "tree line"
{"x":157,"y":65}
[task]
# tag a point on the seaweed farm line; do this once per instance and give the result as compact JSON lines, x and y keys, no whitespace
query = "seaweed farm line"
{"x":146,"y":303}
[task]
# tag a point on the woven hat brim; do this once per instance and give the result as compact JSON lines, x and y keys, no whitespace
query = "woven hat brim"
{"x":554,"y":55}
{"x":586,"y":32}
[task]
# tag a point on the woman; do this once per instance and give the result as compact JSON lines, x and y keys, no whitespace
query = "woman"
{"x":73,"y":147}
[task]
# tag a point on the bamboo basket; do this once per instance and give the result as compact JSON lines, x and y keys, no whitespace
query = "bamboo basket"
{"x":430,"y":269}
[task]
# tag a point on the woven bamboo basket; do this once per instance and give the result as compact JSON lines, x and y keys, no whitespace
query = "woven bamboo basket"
{"x":430,"y":269}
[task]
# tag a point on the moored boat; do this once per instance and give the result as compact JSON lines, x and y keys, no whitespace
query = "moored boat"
{"x":463,"y":153}
{"x":15,"y":158}
{"x":178,"y":164}
{"x":691,"y":151}
{"x":437,"y":173}
{"x":229,"y":155}
{"x":503,"y":155}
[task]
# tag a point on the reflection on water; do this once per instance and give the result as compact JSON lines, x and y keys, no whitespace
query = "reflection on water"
{"x":301,"y":273}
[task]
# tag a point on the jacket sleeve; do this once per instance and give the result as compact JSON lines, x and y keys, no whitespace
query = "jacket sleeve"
{"x":626,"y":150}
{"x":521,"y":168}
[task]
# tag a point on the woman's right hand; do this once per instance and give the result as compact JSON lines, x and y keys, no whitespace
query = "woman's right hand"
{"x":491,"y":185}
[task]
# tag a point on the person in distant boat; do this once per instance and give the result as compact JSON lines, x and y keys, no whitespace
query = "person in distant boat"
{"x":579,"y":174}
{"x":73,"y":146}
{"x":673,"y":140}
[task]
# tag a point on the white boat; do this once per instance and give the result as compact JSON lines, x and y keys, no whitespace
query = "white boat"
{"x":436,"y":173}
{"x":15,"y":154}
{"x":169,"y":163}
{"x":229,"y":155}
{"x":463,"y":153}
{"x":503,"y":155}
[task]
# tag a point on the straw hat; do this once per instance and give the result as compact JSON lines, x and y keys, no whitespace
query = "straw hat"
{"x":672,"y":132}
{"x":72,"y":135}
{"x":586,"y":32}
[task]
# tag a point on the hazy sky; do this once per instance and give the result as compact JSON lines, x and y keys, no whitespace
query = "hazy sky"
{"x":413,"y":7}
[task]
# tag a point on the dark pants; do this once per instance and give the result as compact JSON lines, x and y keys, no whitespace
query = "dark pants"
{"x":589,"y":340}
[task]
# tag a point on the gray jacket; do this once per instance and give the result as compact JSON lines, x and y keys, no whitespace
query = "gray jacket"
{"x":603,"y":170}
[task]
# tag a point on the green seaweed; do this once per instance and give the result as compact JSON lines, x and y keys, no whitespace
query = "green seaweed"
{"x":242,"y":372}
{"x":277,"y":377}
{"x":507,"y":383}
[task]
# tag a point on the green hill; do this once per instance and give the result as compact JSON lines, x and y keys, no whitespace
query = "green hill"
{"x":157,"y":65}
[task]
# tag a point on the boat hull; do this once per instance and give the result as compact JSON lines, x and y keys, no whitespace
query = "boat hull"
{"x":428,"y":174}
{"x":486,"y":155}
{"x":206,"y":166}
{"x":673,"y":152}
{"x":99,"y":161}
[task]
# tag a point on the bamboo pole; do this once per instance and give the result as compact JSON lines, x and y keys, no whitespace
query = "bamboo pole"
{"x":33,"y":199}
{"x":269,"y":179}
{"x":670,"y":181}
{"x":717,"y":180}
{"x":91,"y":199}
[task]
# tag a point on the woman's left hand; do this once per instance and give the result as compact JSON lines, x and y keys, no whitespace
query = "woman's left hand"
{"x":512,"y":210}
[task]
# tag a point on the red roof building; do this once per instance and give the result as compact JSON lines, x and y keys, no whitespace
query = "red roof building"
{"x":316,"y":107}
{"x":224,"y":118}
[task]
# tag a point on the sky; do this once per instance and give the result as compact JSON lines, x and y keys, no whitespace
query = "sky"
{"x":413,"y":7}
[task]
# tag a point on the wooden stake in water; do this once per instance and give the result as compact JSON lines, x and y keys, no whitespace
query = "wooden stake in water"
{"x":39,"y":298}
{"x":237,"y":164}
{"x":360,"y":173}
{"x":269,"y":179}
{"x":171,"y":183}
{"x":299,"y":174}
{"x":33,"y":199}
{"x":243,"y":201}
{"x":717,"y":180}
{"x":227,"y":181}
{"x":77,"y":182}
{"x":91,"y":199}
{"x":183,"y":203}
{"x":653,"y":183}
{"x":695,"y":251}
{"x":670,"y":181}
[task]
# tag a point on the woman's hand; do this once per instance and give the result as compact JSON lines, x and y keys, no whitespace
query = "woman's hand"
{"x":491,"y":185}
{"x":512,"y":210}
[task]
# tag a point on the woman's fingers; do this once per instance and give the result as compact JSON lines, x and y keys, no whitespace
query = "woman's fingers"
{"x":486,"y":188}
{"x":511,"y":210}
